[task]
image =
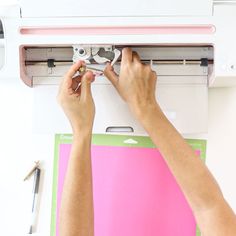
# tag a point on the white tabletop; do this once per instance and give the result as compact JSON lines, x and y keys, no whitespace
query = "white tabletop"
{"x":19,"y":148}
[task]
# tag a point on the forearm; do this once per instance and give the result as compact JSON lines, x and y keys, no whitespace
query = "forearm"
{"x":197,"y":183}
{"x":136,"y":84}
{"x":213,"y":214}
{"x":76,"y":213}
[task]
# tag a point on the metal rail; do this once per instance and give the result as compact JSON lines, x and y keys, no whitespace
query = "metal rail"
{"x":154,"y":62}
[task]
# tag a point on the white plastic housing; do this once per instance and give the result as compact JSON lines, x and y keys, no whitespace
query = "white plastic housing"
{"x":71,"y":8}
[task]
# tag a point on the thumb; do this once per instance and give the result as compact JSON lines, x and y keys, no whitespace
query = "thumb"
{"x":86,"y":81}
{"x":111,"y":75}
{"x":68,"y":80}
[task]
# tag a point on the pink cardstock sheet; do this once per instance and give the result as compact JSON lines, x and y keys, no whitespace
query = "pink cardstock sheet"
{"x":135,"y":193}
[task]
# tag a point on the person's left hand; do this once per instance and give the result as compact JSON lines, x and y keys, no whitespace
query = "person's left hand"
{"x":78,"y":104}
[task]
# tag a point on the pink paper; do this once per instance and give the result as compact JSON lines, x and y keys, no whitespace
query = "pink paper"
{"x":135,"y":194}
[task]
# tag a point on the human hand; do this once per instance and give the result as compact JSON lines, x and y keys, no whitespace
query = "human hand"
{"x":136,"y":83}
{"x":78,"y":105}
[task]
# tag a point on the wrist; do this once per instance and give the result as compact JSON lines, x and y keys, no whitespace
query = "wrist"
{"x":82,"y":134}
{"x":82,"y":141}
{"x":144,"y":111}
{"x":149,"y":114}
{"x":82,"y":128}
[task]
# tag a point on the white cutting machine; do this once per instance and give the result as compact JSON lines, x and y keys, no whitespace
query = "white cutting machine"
{"x":191,"y":45}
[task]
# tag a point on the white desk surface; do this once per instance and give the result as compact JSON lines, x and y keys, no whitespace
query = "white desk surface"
{"x":19,"y":148}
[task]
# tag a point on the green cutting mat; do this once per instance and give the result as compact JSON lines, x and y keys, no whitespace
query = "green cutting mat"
{"x":109,"y":140}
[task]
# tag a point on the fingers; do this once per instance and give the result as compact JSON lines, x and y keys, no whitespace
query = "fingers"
{"x":86,"y":81}
{"x":127,"y":56}
{"x":136,"y":57}
{"x":111,"y":75}
{"x":154,"y":78}
{"x":74,"y":68}
{"x":75,"y":83}
{"x":67,"y":82}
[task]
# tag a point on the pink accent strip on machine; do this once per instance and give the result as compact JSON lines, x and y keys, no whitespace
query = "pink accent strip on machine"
{"x":119,"y":30}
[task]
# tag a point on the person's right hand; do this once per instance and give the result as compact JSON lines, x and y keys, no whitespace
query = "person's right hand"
{"x":78,"y":104}
{"x":136,"y":83}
